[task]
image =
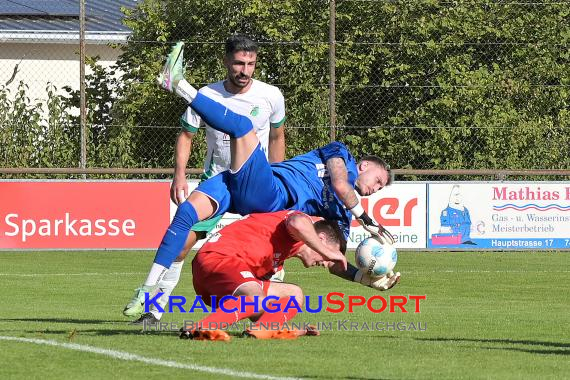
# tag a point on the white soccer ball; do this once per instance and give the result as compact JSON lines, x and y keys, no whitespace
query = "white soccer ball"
{"x":375,"y":258}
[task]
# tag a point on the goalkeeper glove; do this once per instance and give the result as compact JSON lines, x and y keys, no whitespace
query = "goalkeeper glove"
{"x":370,"y":225}
{"x":382,"y":283}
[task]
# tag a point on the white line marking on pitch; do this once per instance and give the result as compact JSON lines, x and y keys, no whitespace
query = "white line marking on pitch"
{"x":133,"y":357}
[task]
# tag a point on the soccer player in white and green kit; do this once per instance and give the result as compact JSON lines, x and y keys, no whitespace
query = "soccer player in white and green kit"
{"x":265,"y":107}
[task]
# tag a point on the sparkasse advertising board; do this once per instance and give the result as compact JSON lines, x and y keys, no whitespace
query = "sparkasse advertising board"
{"x":85,"y":215}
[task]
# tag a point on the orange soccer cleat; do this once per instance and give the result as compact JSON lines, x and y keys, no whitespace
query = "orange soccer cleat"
{"x":203,"y":334}
{"x":283,"y":333}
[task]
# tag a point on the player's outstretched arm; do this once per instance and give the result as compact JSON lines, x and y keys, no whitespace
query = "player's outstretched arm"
{"x":346,"y":193}
{"x":179,"y":188}
{"x":301,"y":228}
{"x":339,"y":180}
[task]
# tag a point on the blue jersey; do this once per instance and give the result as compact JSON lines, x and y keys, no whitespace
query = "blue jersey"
{"x":301,"y":183}
{"x":308,"y":183}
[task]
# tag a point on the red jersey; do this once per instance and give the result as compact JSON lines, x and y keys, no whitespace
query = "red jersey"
{"x":259,"y":240}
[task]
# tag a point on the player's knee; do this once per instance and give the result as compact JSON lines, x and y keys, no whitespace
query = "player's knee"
{"x":185,"y":216}
{"x":182,"y":256}
{"x":204,"y":206}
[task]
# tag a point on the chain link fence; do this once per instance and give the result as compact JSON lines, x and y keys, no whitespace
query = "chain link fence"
{"x":428,"y":85}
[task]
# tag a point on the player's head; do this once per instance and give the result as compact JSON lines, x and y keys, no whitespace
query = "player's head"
{"x":331,"y":236}
{"x":373,"y":174}
{"x":240,"y":59}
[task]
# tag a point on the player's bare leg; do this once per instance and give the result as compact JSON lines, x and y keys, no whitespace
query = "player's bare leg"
{"x":283,"y":292}
{"x":242,"y":148}
{"x":207,"y":328}
{"x":170,"y":280}
{"x":197,"y":207}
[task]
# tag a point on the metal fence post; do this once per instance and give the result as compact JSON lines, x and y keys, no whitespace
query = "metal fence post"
{"x":332,"y":65}
{"x":82,"y":107}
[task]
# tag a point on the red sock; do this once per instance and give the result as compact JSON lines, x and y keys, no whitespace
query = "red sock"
{"x":279,"y":316}
{"x":220,"y":316}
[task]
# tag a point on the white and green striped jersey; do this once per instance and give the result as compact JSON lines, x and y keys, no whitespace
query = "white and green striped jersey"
{"x":262,"y":103}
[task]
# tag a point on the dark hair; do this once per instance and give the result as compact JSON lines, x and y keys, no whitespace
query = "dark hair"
{"x":383,"y":164}
{"x":332,"y":231}
{"x":240,"y":42}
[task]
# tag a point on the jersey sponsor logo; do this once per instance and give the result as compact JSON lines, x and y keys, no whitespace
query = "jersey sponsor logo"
{"x":321,"y":170}
{"x":254,"y":111}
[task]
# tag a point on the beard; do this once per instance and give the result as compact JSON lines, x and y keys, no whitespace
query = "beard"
{"x":236,"y":81}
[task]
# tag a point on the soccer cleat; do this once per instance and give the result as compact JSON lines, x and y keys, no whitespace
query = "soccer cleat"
{"x":173,"y":69}
{"x":146,"y":319}
{"x":287,"y":334}
{"x":199,"y":334}
{"x":135,"y":307}
{"x":312,"y":331}
{"x":283,"y":333}
{"x":258,"y":334}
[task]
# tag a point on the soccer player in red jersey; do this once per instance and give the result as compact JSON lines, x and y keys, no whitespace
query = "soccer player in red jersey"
{"x":240,"y":259}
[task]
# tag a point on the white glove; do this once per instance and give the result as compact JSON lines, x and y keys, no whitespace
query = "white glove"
{"x":370,"y":225}
{"x":382,"y":283}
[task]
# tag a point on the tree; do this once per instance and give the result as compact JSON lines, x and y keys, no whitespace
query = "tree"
{"x":424,"y":84}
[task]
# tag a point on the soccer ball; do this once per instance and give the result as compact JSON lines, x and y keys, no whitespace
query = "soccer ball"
{"x":374,"y":258}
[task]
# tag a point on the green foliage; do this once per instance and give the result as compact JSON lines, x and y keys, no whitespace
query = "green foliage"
{"x":474,"y":84}
{"x":33,"y":134}
{"x":108,"y":144}
{"x":425,"y":84}
{"x":296,"y":64}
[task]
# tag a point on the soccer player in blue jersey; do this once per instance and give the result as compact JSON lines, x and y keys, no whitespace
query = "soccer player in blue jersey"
{"x":323,"y":182}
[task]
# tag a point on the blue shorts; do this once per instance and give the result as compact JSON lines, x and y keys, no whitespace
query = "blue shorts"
{"x":253,"y":188}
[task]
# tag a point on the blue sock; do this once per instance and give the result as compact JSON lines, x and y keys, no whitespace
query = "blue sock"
{"x":176,"y":235}
{"x":221,"y":118}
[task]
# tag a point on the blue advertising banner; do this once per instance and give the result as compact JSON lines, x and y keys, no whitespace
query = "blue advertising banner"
{"x":517,"y":215}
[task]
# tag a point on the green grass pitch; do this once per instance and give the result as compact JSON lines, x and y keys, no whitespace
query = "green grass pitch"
{"x":487,"y":315}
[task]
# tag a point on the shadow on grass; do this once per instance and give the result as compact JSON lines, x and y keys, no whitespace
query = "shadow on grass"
{"x":341,"y":378}
{"x":564,"y":347}
{"x":531,"y":351}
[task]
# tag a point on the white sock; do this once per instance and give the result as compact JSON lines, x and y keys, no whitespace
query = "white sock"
{"x":185,"y":90}
{"x":167,"y":285}
{"x":155,"y":274}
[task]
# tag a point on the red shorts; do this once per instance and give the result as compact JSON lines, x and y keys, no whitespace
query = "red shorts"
{"x":216,"y":274}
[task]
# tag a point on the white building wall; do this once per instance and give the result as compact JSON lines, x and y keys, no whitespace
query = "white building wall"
{"x":43,"y":63}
